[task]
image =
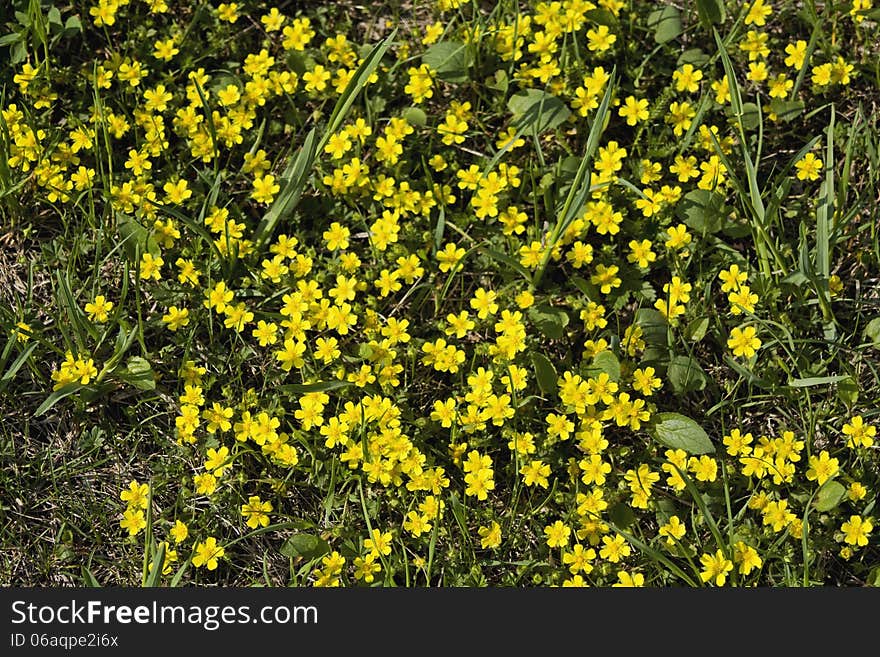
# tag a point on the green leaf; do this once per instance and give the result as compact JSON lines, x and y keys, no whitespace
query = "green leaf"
{"x":693,"y":56}
{"x":16,"y":365}
{"x":829,"y":495}
{"x":318,"y":386}
{"x":696,"y":329}
{"x":750,"y":116}
{"x":535,"y":111}
{"x":848,"y":391}
{"x":155,"y":576}
{"x":787,"y":110}
{"x":678,"y":431}
{"x":307,"y":546}
{"x":89,"y":578}
{"x":136,"y":239}
{"x":811,"y":381}
{"x":138,"y":373}
{"x":415,"y":116}
{"x":654,"y":326}
{"x":666,"y":23}
{"x":872,"y":332}
{"x":545,"y":373}
{"x":711,"y":12}
{"x":73,"y":24}
{"x":450,"y":59}
{"x":686,"y":375}
{"x":54,"y":16}
{"x":702,"y":210}
{"x":549,"y":320}
{"x":293,"y":182}
{"x":57,"y":396}
{"x":622,"y":515}
{"x":605,"y":361}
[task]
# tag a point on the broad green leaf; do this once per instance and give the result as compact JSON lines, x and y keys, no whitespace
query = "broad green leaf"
{"x":545,"y":373}
{"x":535,"y":111}
{"x":678,"y":431}
{"x":787,"y":110}
{"x":872,"y":332}
{"x":605,"y":361}
{"x":711,"y":12}
{"x":685,"y":374}
{"x":696,"y":329}
{"x":307,"y":546}
{"x":702,"y":210}
{"x":829,"y":495}
{"x":549,"y":320}
{"x":136,"y":239}
{"x":450,"y":59}
{"x":73,"y":24}
{"x":848,"y":391}
{"x":138,"y":373}
{"x":666,"y":23}
{"x":415,"y":116}
{"x":89,"y":578}
{"x":654,"y":326}
{"x":693,"y":56}
{"x":622,"y":515}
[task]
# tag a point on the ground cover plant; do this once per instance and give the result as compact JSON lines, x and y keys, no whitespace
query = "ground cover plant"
{"x":439,"y":293}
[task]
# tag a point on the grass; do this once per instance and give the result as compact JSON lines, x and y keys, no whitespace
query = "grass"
{"x":360,"y":512}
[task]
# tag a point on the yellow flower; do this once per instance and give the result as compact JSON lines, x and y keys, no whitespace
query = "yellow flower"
{"x":176,"y":318}
{"x":97,"y":310}
{"x":715,"y":567}
{"x":490,"y":536}
{"x":808,"y":167}
{"x":743,"y":341}
{"x":207,"y":553}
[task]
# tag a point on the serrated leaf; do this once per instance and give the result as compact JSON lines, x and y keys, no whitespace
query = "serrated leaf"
{"x":450,"y":60}
{"x":307,"y":546}
{"x":535,"y":111}
{"x":685,"y":374}
{"x":829,"y":495}
{"x":545,"y":373}
{"x":666,"y":23}
{"x":678,"y":431}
